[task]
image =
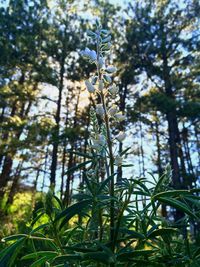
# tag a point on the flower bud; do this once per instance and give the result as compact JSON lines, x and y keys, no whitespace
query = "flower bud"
{"x":90,"y":87}
{"x":121,"y":136}
{"x":101,"y":85}
{"x":101,"y":62}
{"x":111,"y":69}
{"x":119,"y":116}
{"x":94,"y":80}
{"x":100,"y":110}
{"x":113,"y":110}
{"x":93,"y":55}
{"x":107,"y":78}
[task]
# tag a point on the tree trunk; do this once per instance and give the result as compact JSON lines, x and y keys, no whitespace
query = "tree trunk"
{"x":174,"y":136}
{"x":57,"y":127}
{"x":67,"y":199}
{"x":14,"y":186}
{"x":8,"y":160}
{"x":123,"y":96}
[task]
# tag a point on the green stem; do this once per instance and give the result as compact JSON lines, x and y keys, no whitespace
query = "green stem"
{"x":126,"y":202}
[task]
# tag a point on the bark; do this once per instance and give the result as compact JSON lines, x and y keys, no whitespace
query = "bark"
{"x":158,"y":161}
{"x":172,"y":127}
{"x":187,"y":151}
{"x":67,"y":196}
{"x":45,"y":169}
{"x":123,"y":96}
{"x":174,"y":138}
{"x":57,"y":127}
{"x":14,"y":186}
{"x":8,"y":160}
{"x":35,"y":187}
{"x":64,"y":151}
{"x":6,"y":135}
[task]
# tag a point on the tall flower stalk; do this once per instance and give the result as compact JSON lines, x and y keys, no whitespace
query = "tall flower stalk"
{"x":102,"y":85}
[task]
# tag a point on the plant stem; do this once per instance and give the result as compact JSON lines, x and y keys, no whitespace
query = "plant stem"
{"x":109,"y":143}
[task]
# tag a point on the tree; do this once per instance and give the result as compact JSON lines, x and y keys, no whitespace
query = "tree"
{"x":157,"y":45}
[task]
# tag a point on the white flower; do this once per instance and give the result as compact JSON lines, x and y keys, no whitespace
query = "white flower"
{"x":118,"y":160}
{"x":100,"y":110}
{"x":119,"y":116}
{"x":113,"y":110}
{"x":113,"y":90}
{"x":111,"y":69}
{"x":90,"y":87}
{"x":90,"y":54}
{"x":93,"y":55}
{"x":101,"y":85}
{"x":121,"y":136}
{"x":94,"y":80}
{"x":101,"y":62}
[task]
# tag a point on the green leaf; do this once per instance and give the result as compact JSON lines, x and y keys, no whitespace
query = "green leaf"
{"x":78,"y":166}
{"x":162,"y":232}
{"x":58,"y":201}
{"x":39,"y":228}
{"x":124,"y":256}
{"x":48,"y":254}
{"x":127,"y":165}
{"x":68,"y":213}
{"x":125,"y":151}
{"x":37,"y":218}
{"x":100,"y":257}
{"x":13,"y":237}
{"x":166,"y":174}
{"x":104,"y":183}
{"x":41,"y":238}
{"x":131,"y":233}
{"x":172,"y":193}
{"x":39,"y":262}
{"x":66,"y":258}
{"x":196,"y":253}
{"x":178,"y":205}
{"x":79,"y":249}
{"x":9,"y":254}
{"x":87,"y":181}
